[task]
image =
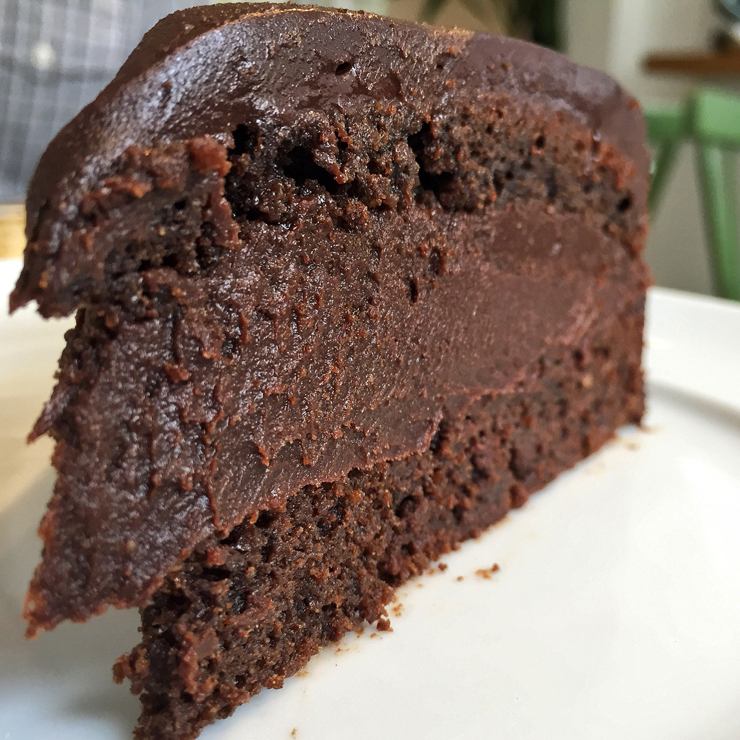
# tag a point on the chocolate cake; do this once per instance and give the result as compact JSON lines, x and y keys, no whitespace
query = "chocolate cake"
{"x":347,"y":289}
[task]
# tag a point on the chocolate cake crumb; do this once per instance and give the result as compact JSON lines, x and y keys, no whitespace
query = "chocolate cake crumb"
{"x":486,"y":572}
{"x":383,"y":625}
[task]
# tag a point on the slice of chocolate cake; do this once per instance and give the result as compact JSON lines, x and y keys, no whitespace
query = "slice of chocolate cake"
{"x":347,"y":290}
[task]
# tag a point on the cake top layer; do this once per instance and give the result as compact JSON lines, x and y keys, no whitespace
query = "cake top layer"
{"x":275,"y":64}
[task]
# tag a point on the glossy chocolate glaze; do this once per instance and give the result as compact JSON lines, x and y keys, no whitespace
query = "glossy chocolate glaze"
{"x":251,"y":323}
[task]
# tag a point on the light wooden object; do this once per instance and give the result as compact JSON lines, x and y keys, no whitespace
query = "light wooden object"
{"x":695,"y":64}
{"x":12,"y":231}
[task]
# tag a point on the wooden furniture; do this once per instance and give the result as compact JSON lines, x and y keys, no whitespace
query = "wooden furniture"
{"x":711,"y":120}
{"x":697,"y":64}
{"x":12,"y":231}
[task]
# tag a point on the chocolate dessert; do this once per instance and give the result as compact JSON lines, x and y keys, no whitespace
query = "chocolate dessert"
{"x":347,"y":290}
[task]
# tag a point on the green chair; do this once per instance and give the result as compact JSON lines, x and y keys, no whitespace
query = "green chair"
{"x":712,"y":121}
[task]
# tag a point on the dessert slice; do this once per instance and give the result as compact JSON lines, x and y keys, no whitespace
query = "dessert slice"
{"x":347,"y":290}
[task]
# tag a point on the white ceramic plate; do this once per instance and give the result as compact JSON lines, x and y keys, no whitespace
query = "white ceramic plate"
{"x":615,"y":613}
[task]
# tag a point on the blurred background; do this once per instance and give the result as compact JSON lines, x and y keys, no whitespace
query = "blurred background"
{"x":55,"y":55}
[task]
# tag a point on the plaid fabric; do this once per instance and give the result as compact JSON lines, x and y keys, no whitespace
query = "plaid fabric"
{"x":55,"y":56}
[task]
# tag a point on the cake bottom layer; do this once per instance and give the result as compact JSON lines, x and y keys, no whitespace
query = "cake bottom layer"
{"x":250,"y":610}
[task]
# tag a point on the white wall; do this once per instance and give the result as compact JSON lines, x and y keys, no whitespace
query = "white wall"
{"x":615,"y":35}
